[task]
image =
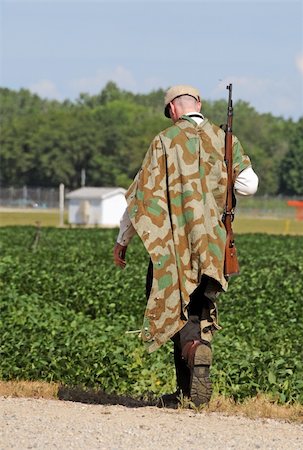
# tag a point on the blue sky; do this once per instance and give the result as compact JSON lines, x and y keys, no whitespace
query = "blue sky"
{"x":61,"y":48}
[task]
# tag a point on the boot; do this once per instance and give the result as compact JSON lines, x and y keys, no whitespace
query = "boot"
{"x":198,"y":356}
{"x":183,"y":376}
{"x":183,"y":372}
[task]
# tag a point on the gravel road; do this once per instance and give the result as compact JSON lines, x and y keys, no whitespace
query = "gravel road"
{"x":54,"y":424}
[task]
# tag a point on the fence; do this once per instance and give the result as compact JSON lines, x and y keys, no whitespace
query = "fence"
{"x":29,"y":197}
{"x":267,"y":206}
{"x":38,"y":197}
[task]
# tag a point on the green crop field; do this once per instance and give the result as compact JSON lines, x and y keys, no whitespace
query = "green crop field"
{"x":67,"y":314}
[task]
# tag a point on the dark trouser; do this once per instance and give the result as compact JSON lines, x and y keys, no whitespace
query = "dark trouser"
{"x":198,"y":310}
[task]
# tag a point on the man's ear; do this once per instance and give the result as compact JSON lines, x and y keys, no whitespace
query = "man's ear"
{"x":172,"y":110}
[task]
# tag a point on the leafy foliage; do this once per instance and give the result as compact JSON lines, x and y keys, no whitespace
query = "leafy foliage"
{"x":65,"y":314}
{"x":262,"y":329}
{"x":291,"y":179}
{"x":44,"y":143}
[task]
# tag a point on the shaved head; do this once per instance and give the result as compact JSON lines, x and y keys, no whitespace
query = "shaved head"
{"x":182,"y":105}
{"x":186,"y":102}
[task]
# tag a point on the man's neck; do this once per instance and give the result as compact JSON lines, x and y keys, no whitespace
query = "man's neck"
{"x":196,"y":116}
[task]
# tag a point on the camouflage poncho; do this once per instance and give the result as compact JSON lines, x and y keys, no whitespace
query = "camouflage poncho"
{"x":175,"y":204}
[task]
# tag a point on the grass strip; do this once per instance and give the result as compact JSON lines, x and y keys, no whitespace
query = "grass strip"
{"x":261,"y":406}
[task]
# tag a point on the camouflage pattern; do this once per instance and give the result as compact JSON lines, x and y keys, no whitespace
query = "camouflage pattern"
{"x":175,"y":204}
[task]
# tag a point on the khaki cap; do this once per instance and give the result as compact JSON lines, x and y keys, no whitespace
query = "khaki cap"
{"x":178,"y":91}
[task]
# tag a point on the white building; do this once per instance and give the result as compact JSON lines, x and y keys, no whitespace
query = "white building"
{"x":102,"y":206}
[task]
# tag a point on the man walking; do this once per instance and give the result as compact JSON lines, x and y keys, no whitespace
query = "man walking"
{"x":175,"y":205}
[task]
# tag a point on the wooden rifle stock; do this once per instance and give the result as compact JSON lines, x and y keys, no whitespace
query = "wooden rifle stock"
{"x":231,"y":264}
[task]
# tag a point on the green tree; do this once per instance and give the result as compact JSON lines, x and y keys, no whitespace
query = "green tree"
{"x":43,"y":143}
{"x":291,"y":167}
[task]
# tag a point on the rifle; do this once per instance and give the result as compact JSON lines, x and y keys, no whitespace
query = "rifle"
{"x":231,"y":264}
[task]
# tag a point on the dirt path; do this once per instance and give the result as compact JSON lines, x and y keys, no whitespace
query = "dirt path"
{"x":53,"y":424}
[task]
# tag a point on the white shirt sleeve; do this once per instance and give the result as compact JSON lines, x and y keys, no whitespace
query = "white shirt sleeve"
{"x":126,"y":231}
{"x":246,"y":182}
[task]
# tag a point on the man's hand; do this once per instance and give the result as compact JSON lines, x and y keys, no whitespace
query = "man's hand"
{"x":119,"y":255}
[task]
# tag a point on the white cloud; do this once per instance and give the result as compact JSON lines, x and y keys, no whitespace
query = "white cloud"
{"x":299,"y":63}
{"x":93,"y":84}
{"x":264,"y":94}
{"x":45,"y":89}
{"x":243,"y":86}
{"x":152,"y":84}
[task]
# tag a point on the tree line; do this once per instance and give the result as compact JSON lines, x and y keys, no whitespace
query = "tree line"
{"x":44,"y":142}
